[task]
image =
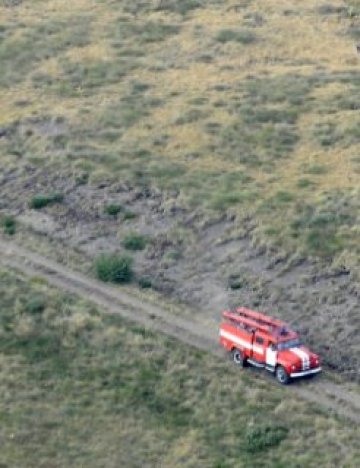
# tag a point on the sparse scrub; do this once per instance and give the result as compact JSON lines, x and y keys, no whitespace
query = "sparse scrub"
{"x":259,"y":438}
{"x":145,"y":282}
{"x":327,"y":134}
{"x":243,"y":36}
{"x":304,"y":183}
{"x":134,"y":241}
{"x":144,"y":33}
{"x":330,"y":9}
{"x":21,"y":53}
{"x":113,"y":209}
{"x":283,"y":197}
{"x":222,"y":201}
{"x":114,"y":268}
{"x":179,"y":6}
{"x":129,"y":215}
{"x":235,"y":282}
{"x":35,"y":304}
{"x":9,"y":224}
{"x":322,"y":229}
{"x":42,"y":200}
{"x":166,"y":97}
{"x":193,"y":115}
{"x":316,"y":169}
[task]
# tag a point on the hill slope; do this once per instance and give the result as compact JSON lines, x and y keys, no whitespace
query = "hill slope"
{"x":226,"y":134}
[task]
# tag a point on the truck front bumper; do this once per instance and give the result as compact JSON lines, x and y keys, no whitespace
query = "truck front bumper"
{"x":306,"y":372}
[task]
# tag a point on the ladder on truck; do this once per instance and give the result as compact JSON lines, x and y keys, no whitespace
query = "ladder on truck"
{"x":257,"y":321}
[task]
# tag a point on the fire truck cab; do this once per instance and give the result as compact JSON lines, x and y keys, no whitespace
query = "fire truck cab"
{"x":263,"y":341}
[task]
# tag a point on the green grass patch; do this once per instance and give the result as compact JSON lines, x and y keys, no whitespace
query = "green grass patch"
{"x":134,"y":241}
{"x":40,"y":201}
{"x":125,"y":32}
{"x":179,"y":6}
{"x":259,"y":438}
{"x":23,"y":50}
{"x":114,"y":268}
{"x":113,"y":209}
{"x":9,"y":225}
{"x":145,"y":282}
{"x":243,"y":36}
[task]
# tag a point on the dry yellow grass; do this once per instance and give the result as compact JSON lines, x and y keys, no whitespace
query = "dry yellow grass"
{"x":293,"y":39}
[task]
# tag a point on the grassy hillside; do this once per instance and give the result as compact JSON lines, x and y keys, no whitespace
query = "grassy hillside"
{"x":248,"y":106}
{"x":81,"y":389}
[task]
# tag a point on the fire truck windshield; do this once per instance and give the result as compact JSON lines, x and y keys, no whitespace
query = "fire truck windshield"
{"x":289,"y":344}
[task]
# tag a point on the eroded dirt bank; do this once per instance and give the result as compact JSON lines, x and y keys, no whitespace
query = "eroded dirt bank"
{"x":207,"y":261}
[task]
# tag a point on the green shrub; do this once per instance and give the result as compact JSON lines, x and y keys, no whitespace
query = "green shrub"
{"x":134,"y":241}
{"x":324,"y":243}
{"x":173,"y":255}
{"x":9,"y":225}
{"x":243,"y":36}
{"x":113,"y":209}
{"x":283,"y":197}
{"x":235,"y":282}
{"x":129,"y":215}
{"x":226,"y":35}
{"x":304,"y":183}
{"x":156,"y":32}
{"x":179,"y":6}
{"x":317,"y":169}
{"x":263,"y":437}
{"x":145,"y":282}
{"x":35,"y":305}
{"x":113,"y":268}
{"x":328,"y":9}
{"x":41,"y":200}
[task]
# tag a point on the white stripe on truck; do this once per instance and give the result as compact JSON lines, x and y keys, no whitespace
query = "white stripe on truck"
{"x":305,"y":358}
{"x":239,"y":341}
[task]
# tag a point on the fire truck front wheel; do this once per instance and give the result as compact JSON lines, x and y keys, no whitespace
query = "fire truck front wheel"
{"x":238,"y":357}
{"x":282,"y":376}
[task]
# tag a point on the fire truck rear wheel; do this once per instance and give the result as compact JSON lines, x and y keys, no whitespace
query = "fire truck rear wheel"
{"x":282,"y":376}
{"x":238,"y":357}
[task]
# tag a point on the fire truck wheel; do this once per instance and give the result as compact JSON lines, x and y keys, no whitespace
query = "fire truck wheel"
{"x":282,"y":376}
{"x":238,"y":357}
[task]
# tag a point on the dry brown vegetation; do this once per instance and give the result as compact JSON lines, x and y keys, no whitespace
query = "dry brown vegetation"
{"x":220,"y":141}
{"x":240,"y":106}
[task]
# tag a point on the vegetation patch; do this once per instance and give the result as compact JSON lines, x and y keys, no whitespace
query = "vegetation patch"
{"x":113,"y":209}
{"x":259,"y":438}
{"x":21,"y":52}
{"x":243,"y":36}
{"x":42,"y":200}
{"x":114,"y":268}
{"x":180,"y":6}
{"x":134,"y":241}
{"x":9,"y":225}
{"x":161,"y":98}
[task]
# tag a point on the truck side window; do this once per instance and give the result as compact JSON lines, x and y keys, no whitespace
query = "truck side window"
{"x":259,"y":340}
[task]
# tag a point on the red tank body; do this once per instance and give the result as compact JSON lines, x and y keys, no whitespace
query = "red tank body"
{"x":263,"y":341}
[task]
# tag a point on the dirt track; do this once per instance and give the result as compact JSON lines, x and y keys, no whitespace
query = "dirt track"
{"x":335,"y":397}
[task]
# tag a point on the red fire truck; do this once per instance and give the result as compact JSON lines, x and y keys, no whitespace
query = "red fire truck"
{"x":263,"y":341}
